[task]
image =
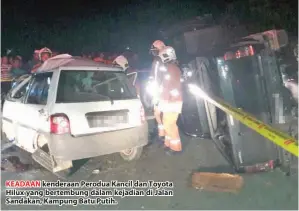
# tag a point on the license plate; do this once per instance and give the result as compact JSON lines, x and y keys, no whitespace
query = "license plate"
{"x":107,"y":121}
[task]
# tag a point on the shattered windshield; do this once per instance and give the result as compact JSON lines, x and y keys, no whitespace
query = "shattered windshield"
{"x":91,"y":86}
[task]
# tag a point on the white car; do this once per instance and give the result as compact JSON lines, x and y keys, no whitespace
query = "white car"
{"x":72,"y":109}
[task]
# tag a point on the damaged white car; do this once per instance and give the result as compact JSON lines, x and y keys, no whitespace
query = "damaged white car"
{"x":74,"y":108}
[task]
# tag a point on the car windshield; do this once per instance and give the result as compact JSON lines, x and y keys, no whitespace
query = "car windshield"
{"x":92,"y":86}
{"x":19,"y":80}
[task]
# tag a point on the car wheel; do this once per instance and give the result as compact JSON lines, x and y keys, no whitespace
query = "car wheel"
{"x":131,"y":154}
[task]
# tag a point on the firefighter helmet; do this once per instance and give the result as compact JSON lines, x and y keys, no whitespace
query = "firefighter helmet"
{"x":121,"y":61}
{"x":44,"y":50}
{"x":157,"y":46}
{"x":167,"y":54}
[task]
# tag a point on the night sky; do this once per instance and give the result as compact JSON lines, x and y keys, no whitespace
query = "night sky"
{"x":84,"y":25}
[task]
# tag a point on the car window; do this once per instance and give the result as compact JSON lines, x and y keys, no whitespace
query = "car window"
{"x":39,"y":88}
{"x":91,"y":86}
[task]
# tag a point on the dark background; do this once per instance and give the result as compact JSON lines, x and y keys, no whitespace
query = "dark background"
{"x":75,"y":26}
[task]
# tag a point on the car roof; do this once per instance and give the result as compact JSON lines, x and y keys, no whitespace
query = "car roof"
{"x":68,"y":62}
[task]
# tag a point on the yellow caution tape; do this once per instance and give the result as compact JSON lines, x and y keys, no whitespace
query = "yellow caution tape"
{"x":279,"y":138}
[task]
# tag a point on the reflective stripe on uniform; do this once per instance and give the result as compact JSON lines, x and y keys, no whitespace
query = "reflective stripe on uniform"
{"x":167,"y":77}
{"x":162,"y":68}
{"x":174,"y":93}
{"x":176,"y":141}
{"x":170,"y":106}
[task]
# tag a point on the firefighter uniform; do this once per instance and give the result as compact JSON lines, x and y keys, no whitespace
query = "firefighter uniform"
{"x":157,"y":74}
{"x":99,"y":59}
{"x":171,"y":105}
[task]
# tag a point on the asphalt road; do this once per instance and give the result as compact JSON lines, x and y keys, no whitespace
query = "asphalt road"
{"x":271,"y":190}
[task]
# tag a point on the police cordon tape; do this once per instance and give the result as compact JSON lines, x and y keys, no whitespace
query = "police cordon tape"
{"x":277,"y":137}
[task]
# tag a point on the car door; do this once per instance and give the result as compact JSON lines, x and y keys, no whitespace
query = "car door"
{"x":34,"y":118}
{"x":12,"y":108}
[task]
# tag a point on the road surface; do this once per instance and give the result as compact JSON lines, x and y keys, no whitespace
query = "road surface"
{"x":270,"y":190}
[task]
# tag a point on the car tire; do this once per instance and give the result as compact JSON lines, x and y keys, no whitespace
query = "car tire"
{"x":131,"y":154}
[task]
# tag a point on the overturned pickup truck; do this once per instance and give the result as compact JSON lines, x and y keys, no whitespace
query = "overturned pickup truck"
{"x":247,"y":70}
{"x":74,"y":108}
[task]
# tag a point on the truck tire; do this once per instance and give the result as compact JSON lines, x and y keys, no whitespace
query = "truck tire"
{"x":132,"y":153}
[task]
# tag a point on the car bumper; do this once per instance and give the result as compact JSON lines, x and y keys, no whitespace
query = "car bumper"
{"x":67,"y":147}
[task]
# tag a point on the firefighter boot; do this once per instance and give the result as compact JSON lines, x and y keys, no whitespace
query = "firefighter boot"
{"x":172,"y":140}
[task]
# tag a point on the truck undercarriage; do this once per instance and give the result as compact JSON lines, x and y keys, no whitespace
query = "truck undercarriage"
{"x":246,"y":72}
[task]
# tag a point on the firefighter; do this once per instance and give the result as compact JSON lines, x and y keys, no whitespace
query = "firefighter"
{"x":171,"y":100}
{"x":43,"y":55}
{"x":156,"y":75}
{"x":100,"y":58}
{"x":122,"y":62}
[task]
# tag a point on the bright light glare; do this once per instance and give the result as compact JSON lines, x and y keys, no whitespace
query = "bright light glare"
{"x":152,"y":87}
{"x":189,"y":73}
{"x":231,"y":120}
{"x":197,"y":91}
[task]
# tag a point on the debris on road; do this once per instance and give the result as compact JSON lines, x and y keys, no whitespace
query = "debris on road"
{"x":218,"y":182}
{"x":13,"y":164}
{"x":96,"y":171}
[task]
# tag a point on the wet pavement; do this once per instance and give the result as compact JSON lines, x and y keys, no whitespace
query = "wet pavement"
{"x":271,"y":190}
